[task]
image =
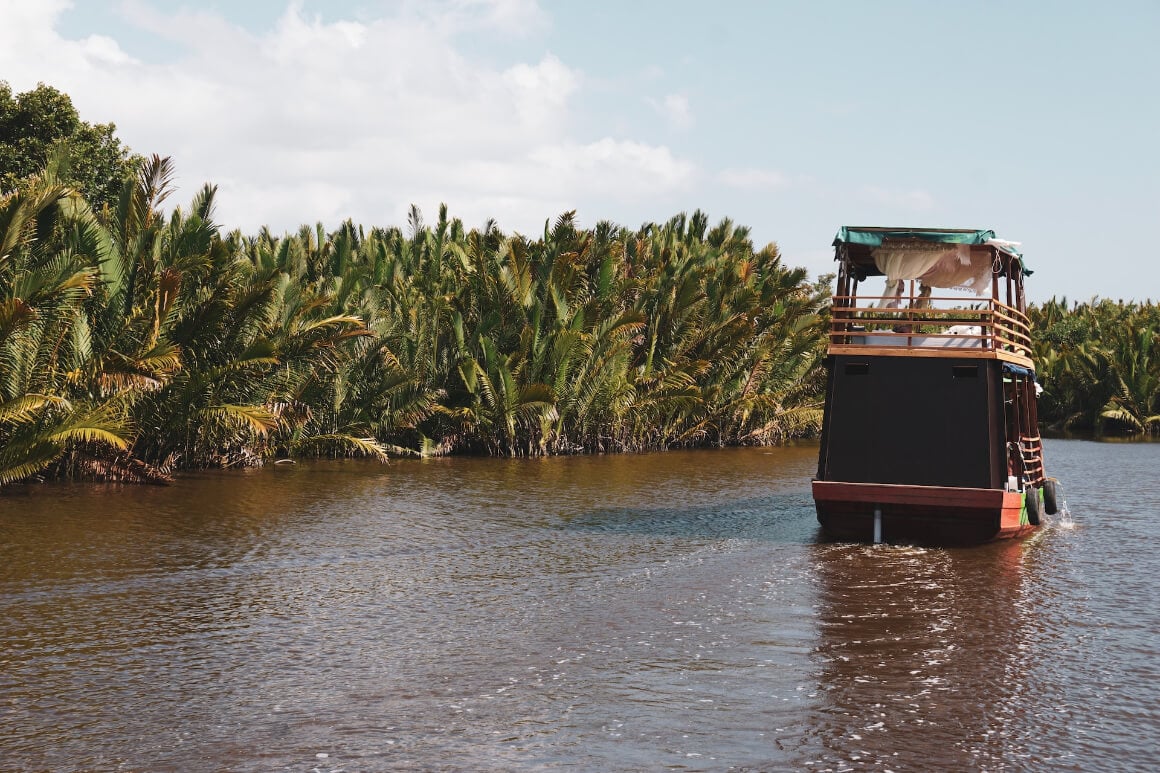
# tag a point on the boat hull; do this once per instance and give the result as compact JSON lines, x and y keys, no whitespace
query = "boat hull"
{"x":922,"y":514}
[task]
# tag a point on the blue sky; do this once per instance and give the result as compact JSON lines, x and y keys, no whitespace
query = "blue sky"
{"x":1036,"y":119}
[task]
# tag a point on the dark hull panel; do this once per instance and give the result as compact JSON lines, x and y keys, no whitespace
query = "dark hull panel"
{"x":914,"y":421}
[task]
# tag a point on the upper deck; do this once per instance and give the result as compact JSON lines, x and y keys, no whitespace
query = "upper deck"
{"x":905,"y":317}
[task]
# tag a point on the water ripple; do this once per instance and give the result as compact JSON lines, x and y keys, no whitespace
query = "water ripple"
{"x":598,"y":613}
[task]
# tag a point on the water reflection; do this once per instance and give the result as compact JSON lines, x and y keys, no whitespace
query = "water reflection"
{"x":921,"y":653}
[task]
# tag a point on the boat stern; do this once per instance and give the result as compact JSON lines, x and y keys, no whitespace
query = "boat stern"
{"x":873,"y":512}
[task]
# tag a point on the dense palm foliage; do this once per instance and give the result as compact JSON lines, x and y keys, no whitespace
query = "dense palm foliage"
{"x":1100,"y":365}
{"x":134,"y":343}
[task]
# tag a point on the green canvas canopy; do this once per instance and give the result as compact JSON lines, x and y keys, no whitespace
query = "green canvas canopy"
{"x":873,"y":236}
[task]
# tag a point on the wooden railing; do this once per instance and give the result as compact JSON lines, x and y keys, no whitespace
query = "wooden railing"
{"x":988,"y":325}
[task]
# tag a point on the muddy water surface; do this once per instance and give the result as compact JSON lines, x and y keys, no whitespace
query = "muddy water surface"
{"x":669,"y":611}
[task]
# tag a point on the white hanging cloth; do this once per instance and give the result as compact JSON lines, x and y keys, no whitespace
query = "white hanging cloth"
{"x":937,"y":265}
{"x":965,"y":270}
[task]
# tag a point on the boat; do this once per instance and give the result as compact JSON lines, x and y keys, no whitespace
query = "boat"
{"x":930,"y":432}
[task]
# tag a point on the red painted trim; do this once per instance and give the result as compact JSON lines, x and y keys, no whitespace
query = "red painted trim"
{"x":1011,"y":520}
{"x":934,"y":513}
{"x":1015,"y":531}
{"x":886,"y":493}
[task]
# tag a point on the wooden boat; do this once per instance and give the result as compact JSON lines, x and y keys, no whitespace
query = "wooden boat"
{"x":930,"y":430}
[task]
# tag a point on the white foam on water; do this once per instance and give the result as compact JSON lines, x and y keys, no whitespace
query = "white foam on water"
{"x":1064,"y":519}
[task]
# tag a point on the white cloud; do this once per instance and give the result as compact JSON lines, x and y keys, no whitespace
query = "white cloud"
{"x":99,"y":48}
{"x":313,"y":120}
{"x":22,"y":20}
{"x":621,"y":169}
{"x":32,"y":52}
{"x":297,"y":41}
{"x":541,"y":91}
{"x":515,"y":17}
{"x":675,"y":109}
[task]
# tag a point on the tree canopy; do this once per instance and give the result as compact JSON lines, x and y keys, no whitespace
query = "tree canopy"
{"x":42,"y":124}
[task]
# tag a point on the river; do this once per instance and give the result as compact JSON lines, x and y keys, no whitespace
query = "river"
{"x":668,"y":611}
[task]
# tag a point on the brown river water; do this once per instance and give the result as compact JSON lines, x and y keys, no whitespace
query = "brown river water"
{"x":675,"y":611}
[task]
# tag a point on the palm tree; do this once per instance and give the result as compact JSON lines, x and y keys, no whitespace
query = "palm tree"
{"x":134,"y":342}
{"x":1136,"y":404}
{"x":44,"y":341}
{"x":1100,"y":365}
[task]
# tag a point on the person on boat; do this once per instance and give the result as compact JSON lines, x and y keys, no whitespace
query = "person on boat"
{"x":921,"y":302}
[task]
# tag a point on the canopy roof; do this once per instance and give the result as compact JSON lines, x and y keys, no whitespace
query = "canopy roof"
{"x":870,"y":237}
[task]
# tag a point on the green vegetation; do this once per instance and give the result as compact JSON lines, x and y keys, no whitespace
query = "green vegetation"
{"x":42,"y":124}
{"x":133,"y":344}
{"x":1099,"y":364}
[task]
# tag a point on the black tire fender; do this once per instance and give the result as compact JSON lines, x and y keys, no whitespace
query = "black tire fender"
{"x":1051,"y":496}
{"x":1034,"y":506}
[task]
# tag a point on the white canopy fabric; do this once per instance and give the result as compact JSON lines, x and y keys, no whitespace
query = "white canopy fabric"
{"x":971,"y":271}
{"x":911,"y":262}
{"x":936,"y":265}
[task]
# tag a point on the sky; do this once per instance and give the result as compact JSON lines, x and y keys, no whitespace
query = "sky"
{"x":1039,"y":120}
